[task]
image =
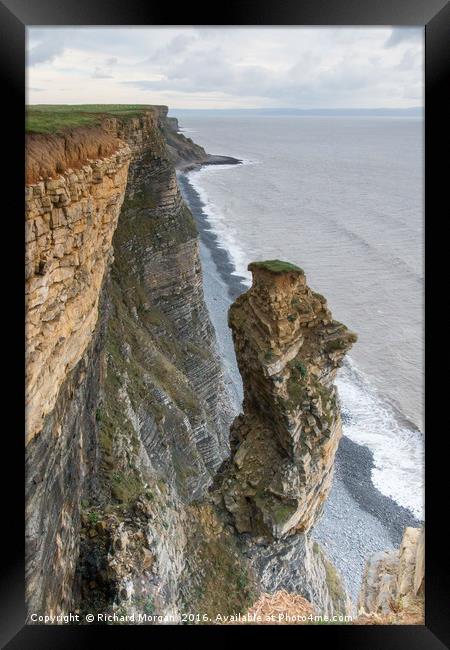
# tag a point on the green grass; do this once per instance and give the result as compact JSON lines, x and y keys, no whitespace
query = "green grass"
{"x":54,"y":118}
{"x":335,"y":344}
{"x":276,"y":266}
{"x":93,"y":518}
{"x":301,"y":368}
{"x":149,"y":607}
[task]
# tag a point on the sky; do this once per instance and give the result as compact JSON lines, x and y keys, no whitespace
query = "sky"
{"x":227,"y":67}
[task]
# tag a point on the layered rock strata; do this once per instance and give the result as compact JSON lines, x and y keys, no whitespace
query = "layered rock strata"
{"x":288,"y":350}
{"x":393,"y":587}
{"x":70,"y":222}
{"x":299,"y":565}
{"x":127,"y":414}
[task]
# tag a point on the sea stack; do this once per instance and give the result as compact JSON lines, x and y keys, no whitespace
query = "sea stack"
{"x":288,"y":349}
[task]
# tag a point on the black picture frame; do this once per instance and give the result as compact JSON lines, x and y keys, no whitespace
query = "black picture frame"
{"x":15,"y":15}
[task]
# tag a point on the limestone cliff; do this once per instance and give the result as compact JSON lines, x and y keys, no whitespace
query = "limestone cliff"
{"x":128,"y":418}
{"x":288,"y":349}
{"x":124,"y":388}
{"x":393,"y":588}
{"x":70,"y":222}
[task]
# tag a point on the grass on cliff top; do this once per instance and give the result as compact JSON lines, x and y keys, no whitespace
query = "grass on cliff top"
{"x":52,"y":118}
{"x":276,"y":266}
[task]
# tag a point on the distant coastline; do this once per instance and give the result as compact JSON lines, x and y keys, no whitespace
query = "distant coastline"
{"x":414,"y":111}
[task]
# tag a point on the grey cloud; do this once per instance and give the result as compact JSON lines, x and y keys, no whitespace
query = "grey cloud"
{"x":410,"y":60}
{"x":178,"y":45}
{"x":209,"y":75}
{"x":99,"y":74}
{"x":402,"y":34}
{"x":45,"y":52}
{"x":211,"y":71}
{"x":141,"y":84}
{"x":335,"y":67}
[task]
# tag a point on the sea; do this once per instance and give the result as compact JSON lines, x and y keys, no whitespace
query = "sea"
{"x":343,"y":198}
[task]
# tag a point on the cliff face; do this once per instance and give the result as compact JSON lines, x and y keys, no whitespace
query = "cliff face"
{"x":288,"y":350}
{"x":70,"y":222}
{"x":128,"y":417}
{"x":393,"y":588}
{"x":124,"y":388}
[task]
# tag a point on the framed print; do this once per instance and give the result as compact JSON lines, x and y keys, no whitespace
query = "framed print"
{"x":227,"y":264}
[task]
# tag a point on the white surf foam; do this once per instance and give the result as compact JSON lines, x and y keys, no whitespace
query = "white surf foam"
{"x":398,"y":449}
{"x":227,"y":235}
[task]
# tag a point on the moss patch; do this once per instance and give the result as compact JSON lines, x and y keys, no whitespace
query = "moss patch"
{"x":223,"y":583}
{"x":282,"y":512}
{"x":333,"y":580}
{"x":296,"y":384}
{"x":336,"y":344}
{"x":276,"y":266}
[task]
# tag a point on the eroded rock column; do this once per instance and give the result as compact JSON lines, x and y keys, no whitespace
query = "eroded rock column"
{"x":288,"y":349}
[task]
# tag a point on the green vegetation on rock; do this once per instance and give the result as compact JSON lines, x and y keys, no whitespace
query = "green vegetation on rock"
{"x":282,"y":512}
{"x":335,"y":344}
{"x":149,"y":607}
{"x":296,"y":385}
{"x":53,"y":118}
{"x":333,"y":581}
{"x":298,"y":365}
{"x":225,"y":583}
{"x":276,"y":266}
